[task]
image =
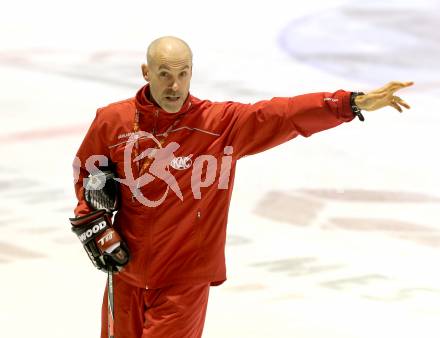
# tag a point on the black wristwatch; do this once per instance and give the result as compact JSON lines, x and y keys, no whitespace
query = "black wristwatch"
{"x":356,"y":110}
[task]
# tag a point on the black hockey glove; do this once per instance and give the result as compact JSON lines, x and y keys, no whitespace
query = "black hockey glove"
{"x":105,"y":247}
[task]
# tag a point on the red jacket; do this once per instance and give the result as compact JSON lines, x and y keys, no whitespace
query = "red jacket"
{"x":182,"y":239}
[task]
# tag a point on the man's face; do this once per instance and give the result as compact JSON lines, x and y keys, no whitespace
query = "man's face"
{"x":169,"y":80}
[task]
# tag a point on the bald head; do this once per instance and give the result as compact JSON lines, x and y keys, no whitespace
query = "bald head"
{"x":168,"y":71}
{"x":169,"y":47}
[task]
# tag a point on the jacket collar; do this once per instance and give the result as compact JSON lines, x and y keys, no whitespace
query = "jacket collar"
{"x":145,"y":106}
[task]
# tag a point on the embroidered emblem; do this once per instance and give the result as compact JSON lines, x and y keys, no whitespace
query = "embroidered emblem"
{"x":181,"y":162}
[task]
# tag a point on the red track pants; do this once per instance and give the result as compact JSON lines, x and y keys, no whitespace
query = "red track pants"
{"x":176,"y":311}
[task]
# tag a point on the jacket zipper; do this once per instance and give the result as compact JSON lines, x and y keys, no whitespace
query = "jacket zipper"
{"x":198,"y":229}
{"x":156,"y":114}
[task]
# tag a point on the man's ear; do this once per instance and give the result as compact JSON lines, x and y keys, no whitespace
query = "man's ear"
{"x":145,"y":72}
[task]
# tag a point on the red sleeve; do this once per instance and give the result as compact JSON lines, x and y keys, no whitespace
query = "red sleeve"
{"x":93,"y":144}
{"x":266,"y":124}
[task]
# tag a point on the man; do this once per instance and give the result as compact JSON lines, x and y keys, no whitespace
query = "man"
{"x":175,"y":156}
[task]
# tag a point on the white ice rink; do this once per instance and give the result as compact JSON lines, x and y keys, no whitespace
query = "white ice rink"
{"x":334,"y":236}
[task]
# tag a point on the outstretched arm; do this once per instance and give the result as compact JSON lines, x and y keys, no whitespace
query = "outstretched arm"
{"x":383,"y":97}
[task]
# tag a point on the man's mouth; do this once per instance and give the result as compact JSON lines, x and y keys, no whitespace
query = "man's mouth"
{"x":172,"y":98}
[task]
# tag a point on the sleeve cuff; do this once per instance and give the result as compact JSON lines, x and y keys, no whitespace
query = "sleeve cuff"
{"x":345,"y":110}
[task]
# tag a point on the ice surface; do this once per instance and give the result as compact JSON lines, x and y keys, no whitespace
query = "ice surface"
{"x":341,"y":238}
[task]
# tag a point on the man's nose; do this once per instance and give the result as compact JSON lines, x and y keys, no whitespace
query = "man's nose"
{"x":175,"y":86}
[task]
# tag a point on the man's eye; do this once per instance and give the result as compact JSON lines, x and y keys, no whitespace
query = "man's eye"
{"x":163,"y":74}
{"x":183,"y":74}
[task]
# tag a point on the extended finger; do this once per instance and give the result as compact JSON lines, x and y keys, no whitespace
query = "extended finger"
{"x":394,"y":85}
{"x":396,"y":106}
{"x":401,"y":102}
{"x":405,"y":84}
